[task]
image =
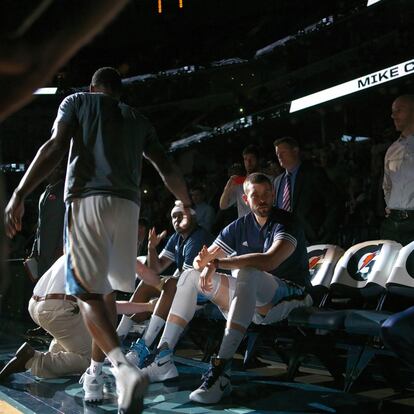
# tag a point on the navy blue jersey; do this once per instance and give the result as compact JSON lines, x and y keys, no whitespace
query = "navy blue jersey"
{"x":245,"y":235}
{"x":183,"y":252}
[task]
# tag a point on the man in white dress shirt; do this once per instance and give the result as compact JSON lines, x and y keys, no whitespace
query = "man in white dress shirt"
{"x":398,"y":182}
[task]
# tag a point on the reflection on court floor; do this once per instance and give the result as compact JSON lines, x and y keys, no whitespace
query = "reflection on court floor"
{"x":254,"y":391}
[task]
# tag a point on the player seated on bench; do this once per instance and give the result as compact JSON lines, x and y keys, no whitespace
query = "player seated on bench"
{"x":269,"y":251}
{"x":181,"y":249}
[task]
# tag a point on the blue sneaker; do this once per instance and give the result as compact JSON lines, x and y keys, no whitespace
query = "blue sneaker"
{"x":137,"y":353}
{"x":216,"y":383}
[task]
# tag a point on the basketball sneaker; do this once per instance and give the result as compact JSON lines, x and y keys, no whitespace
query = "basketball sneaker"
{"x":131,"y":385}
{"x":137,"y":353}
{"x":92,"y":386}
{"x":163,"y":367}
{"x":216,"y":382}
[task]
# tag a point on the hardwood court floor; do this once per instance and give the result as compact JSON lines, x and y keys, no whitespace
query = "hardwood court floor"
{"x":254,"y":391}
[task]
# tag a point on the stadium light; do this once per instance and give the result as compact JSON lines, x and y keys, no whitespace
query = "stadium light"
{"x":371,"y":2}
{"x":45,"y":91}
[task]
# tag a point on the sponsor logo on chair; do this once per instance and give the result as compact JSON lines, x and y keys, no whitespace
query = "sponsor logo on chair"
{"x":361,"y":263}
{"x":315,"y":261}
{"x":409,"y":264}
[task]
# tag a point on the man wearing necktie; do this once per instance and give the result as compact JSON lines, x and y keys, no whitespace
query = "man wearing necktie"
{"x":306,"y":191}
{"x":287,"y":190}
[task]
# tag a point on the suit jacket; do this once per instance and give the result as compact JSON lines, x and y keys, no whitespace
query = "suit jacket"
{"x":316,"y":203}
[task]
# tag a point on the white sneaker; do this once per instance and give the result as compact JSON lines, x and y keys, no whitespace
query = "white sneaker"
{"x":216,"y":383}
{"x":163,"y":367}
{"x":131,"y":385}
{"x":93,"y":386}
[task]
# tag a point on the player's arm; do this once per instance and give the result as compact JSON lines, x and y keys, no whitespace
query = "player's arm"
{"x":207,"y":255}
{"x":280,"y":250}
{"x":149,"y":276}
{"x":47,"y":158}
{"x":169,"y":173}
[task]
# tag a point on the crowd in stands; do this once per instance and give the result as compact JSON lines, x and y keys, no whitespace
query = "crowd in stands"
{"x":355,"y":168}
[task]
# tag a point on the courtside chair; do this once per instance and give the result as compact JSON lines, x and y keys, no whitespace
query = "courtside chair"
{"x":358,"y":282}
{"x":368,"y":323}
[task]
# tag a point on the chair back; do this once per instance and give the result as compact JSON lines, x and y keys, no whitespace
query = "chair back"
{"x":364,"y":269}
{"x":401,"y":280}
{"x":322,"y":261}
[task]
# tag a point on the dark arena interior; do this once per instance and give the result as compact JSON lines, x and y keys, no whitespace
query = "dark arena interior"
{"x":214,"y":77}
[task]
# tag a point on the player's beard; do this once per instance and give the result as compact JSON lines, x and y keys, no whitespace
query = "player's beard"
{"x":263,"y":210}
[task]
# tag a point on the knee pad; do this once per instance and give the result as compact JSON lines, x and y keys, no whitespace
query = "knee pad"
{"x":243,"y":300}
{"x":189,"y":276}
{"x":185,"y":299}
{"x":247,"y":276}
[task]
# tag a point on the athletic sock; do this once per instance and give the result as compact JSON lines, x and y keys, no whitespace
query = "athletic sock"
{"x":117,"y":357}
{"x":154,"y":327}
{"x":230,"y":343}
{"x":124,"y":326}
{"x":171,"y":334}
{"x":95,"y":368}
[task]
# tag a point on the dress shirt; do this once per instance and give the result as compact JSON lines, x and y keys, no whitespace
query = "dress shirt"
{"x":53,"y":281}
{"x":398,"y":181}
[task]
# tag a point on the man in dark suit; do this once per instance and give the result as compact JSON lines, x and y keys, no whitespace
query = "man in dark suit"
{"x":306,"y":191}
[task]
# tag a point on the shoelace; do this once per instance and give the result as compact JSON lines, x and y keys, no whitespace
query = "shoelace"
{"x":149,"y":359}
{"x":82,"y":378}
{"x":210,"y":377}
{"x":138,"y":349}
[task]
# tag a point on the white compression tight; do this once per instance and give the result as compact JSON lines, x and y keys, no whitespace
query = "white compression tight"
{"x":253,"y":288}
{"x":184,"y":304}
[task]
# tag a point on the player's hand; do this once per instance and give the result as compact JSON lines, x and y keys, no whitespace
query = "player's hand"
{"x":154,"y":239}
{"x":13,"y":215}
{"x":140,"y":268}
{"x":205,"y":256}
{"x":185,"y":223}
{"x":206,"y":278}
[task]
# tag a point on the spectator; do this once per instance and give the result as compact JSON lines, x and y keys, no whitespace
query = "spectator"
{"x":204,"y":212}
{"x":233,"y":191}
{"x":307,"y":192}
{"x":398,"y":181}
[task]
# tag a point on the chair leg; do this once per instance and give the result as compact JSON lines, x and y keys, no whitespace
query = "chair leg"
{"x":250,"y":347}
{"x":296,"y":359}
{"x":359,"y":358}
{"x":331,"y":361}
